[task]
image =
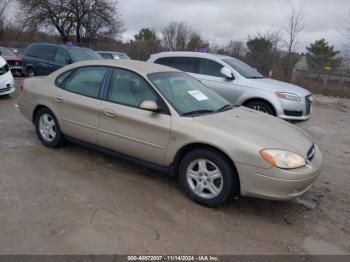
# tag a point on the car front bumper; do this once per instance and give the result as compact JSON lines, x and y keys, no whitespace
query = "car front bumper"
{"x":7,"y":84}
{"x":291,"y":110}
{"x":278,"y":184}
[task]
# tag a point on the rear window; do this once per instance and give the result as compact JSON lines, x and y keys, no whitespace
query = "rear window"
{"x":45,"y":52}
{"x":6,"y":52}
{"x":81,"y":54}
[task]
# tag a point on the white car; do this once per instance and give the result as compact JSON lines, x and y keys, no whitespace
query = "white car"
{"x":240,"y":84}
{"x":7,"y":83}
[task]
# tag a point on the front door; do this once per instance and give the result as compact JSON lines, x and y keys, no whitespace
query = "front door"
{"x":209,"y":73}
{"x":126,"y":128}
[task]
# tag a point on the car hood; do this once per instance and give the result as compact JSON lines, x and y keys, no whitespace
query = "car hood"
{"x":275,"y":85}
{"x":265,"y":131}
{"x":12,"y":58}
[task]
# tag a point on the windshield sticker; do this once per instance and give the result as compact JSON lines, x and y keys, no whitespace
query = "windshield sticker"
{"x":198,"y":95}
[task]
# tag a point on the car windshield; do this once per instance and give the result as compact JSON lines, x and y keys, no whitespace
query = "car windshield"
{"x":81,"y":54}
{"x":6,"y":52}
{"x":188,"y":96}
{"x":243,"y":69}
{"x":121,"y":56}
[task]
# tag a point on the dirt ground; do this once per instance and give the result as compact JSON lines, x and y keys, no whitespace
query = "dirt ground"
{"x":76,"y":201}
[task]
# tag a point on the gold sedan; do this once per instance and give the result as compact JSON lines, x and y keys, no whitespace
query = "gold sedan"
{"x":165,"y":119}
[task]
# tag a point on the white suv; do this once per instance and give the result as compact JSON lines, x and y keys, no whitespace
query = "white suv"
{"x":241,"y":84}
{"x":7,"y":83}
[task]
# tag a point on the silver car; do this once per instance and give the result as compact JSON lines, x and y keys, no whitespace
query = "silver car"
{"x":240,"y":84}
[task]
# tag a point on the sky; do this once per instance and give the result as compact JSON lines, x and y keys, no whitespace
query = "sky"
{"x":220,"y":21}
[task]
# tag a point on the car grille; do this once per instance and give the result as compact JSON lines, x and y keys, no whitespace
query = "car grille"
{"x":14,"y":63}
{"x":308,"y":104}
{"x":293,"y":113}
{"x":5,"y":89}
{"x":311,"y":153}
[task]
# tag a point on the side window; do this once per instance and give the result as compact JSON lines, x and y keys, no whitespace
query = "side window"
{"x":186,"y":64}
{"x":32,"y":50}
{"x":46,"y":52}
{"x":60,"y":80}
{"x":209,"y":67}
{"x":61,"y":56}
{"x":130,"y":89}
{"x":167,"y":61}
{"x":86,"y":81}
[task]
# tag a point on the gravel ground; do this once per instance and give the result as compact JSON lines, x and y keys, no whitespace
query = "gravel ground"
{"x":76,"y":201}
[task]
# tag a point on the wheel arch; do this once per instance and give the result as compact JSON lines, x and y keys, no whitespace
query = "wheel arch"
{"x":254,"y":99}
{"x":190,"y":147}
{"x":36,"y":110}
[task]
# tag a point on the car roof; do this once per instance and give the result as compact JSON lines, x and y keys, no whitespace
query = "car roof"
{"x":110,"y":52}
{"x":189,"y":54}
{"x":133,"y":65}
{"x":57,"y":45}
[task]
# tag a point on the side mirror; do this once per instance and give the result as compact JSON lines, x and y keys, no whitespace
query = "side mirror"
{"x":227,"y":73}
{"x":149,"y":106}
{"x":69,"y":61}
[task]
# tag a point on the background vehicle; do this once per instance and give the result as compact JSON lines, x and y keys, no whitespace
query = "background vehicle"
{"x":113,"y":55}
{"x":7,"y":83}
{"x":18,"y":51}
{"x":168,"y":120}
{"x":43,"y":59}
{"x":14,"y":61}
{"x":241,"y":84}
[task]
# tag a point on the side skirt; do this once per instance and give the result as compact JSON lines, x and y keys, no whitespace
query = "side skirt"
{"x":169,"y":170}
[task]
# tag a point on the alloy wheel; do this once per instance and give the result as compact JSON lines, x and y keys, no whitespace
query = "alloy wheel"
{"x":47,"y":127}
{"x":204,"y":178}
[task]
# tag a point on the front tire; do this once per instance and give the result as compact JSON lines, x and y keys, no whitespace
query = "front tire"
{"x":208,"y":178}
{"x":47,"y":128}
{"x":261,"y":106}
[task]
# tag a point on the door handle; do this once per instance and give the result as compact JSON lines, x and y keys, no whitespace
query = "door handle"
{"x":58,"y":100}
{"x":109,"y":112}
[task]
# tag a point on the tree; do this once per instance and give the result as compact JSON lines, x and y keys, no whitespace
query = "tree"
{"x":47,"y":13}
{"x":3,"y":18}
{"x":195,"y":42}
{"x":86,"y":19}
{"x":176,"y":36}
{"x":146,"y":34}
{"x":146,"y":43}
{"x":294,"y":25}
{"x":260,"y":54}
{"x":321,"y":54}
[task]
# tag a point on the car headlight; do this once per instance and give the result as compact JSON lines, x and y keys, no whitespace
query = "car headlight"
{"x":288,"y":96}
{"x":282,"y":159}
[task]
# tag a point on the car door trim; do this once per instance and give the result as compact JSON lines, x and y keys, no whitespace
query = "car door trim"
{"x":80,"y":124}
{"x":130,"y":138}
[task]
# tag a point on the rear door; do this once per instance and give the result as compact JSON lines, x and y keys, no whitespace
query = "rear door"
{"x":126,"y":128}
{"x":77,"y":102}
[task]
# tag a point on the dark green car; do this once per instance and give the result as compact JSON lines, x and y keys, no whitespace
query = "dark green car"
{"x":43,"y":59}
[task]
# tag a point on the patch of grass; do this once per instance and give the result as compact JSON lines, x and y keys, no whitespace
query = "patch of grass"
{"x":316,"y":87}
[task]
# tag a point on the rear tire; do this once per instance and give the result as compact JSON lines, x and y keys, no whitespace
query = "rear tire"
{"x":30,"y":72}
{"x":261,"y":106}
{"x":208,"y":178}
{"x":47,"y":128}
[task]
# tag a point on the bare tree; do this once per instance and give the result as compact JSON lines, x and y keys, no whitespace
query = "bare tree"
{"x":86,"y":19}
{"x":176,"y":36}
{"x":3,"y":19}
{"x":47,"y":13}
{"x":294,"y":25}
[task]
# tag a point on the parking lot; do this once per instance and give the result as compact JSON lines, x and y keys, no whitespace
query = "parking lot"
{"x":73,"y":200}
